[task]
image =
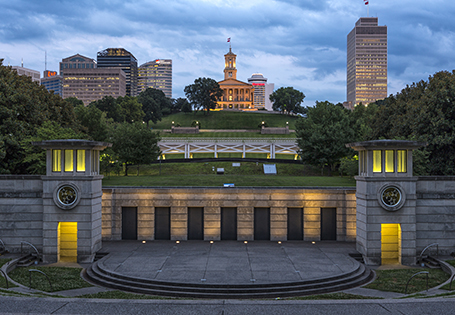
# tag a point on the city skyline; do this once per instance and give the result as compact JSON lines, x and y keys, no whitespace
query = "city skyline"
{"x":292,"y":43}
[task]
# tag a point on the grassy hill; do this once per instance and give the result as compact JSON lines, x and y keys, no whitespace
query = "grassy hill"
{"x":227,"y":120}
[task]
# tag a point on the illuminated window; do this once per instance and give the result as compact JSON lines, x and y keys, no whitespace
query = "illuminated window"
{"x":68,"y":160}
{"x":81,"y":160}
{"x":401,"y":161}
{"x":389,"y":161}
{"x":377,"y":165}
{"x":56,"y":160}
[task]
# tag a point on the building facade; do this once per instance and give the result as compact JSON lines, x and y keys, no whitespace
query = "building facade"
{"x":33,"y":74}
{"x":366,"y":62}
{"x":52,"y":82}
{"x":156,"y":74}
{"x":122,"y":59}
{"x":237,"y":95}
{"x":262,"y":91}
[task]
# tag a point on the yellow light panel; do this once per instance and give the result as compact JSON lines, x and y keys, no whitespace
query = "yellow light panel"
{"x":377,"y":163}
{"x":56,"y":160}
{"x":389,"y":165}
{"x":69,"y":160}
{"x":81,"y":160}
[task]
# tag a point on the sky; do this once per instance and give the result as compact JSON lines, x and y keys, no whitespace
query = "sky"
{"x":298,"y":43}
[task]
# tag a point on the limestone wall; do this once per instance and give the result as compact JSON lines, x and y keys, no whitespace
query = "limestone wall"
{"x":435,"y":213}
{"x":244,"y":199}
{"x":21,"y":211}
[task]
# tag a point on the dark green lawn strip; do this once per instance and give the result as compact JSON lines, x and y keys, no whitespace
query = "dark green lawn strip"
{"x":395,"y":280}
{"x":334,"y":296}
{"x":238,"y":181}
{"x":62,"y":278}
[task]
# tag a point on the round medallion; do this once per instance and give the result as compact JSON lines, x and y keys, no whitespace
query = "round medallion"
{"x":67,"y":196}
{"x":391,"y":198}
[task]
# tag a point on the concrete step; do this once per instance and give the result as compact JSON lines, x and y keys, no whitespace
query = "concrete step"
{"x":27,"y":260}
{"x":348,"y":280}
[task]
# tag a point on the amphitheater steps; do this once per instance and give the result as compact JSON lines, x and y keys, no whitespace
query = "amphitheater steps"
{"x":98,"y":274}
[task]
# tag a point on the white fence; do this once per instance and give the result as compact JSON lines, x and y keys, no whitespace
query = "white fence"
{"x":189,"y":146}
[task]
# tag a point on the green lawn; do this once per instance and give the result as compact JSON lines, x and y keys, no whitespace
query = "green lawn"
{"x":244,"y":135}
{"x":395,"y":280}
{"x":62,"y":278}
{"x":227,"y":120}
{"x":237,"y":180}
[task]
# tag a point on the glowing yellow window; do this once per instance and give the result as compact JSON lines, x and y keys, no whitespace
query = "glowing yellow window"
{"x":401,"y":161}
{"x":81,"y":160}
{"x":56,"y":160}
{"x":390,"y":244}
{"x":68,"y":160}
{"x":389,"y":161}
{"x":377,"y":163}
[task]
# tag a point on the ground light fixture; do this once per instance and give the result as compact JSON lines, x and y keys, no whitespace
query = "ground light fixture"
{"x":279,"y":242}
{"x":177,"y":242}
{"x":211,"y":242}
{"x":246,"y":242}
{"x":313,"y":243}
{"x":143,"y":242}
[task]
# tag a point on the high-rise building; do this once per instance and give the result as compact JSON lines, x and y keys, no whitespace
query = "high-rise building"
{"x":52,"y":82}
{"x":156,"y":74}
{"x":366,"y":62}
{"x":33,"y":74}
{"x":262,"y":91}
{"x":123,"y":59}
{"x":88,"y":83}
{"x":236,"y":94}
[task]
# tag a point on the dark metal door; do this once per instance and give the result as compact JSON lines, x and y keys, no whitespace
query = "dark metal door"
{"x":129,"y":223}
{"x":162,"y":223}
{"x":195,"y":223}
{"x":295,"y":224}
{"x":328,"y":224}
{"x":229,"y":224}
{"x":262,"y":224}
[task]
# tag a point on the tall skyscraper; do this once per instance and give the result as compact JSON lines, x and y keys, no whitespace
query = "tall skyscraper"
{"x":123,"y":59}
{"x":366,"y":62}
{"x":262,"y":91}
{"x":156,"y":74}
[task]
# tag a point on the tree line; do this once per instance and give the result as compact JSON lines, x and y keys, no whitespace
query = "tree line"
{"x":423,"y":111}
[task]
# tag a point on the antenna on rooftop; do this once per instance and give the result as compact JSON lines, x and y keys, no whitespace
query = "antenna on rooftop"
{"x":22,"y":62}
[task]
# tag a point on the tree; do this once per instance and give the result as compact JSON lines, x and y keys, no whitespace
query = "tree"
{"x":110,"y":106}
{"x":186,"y":106}
{"x":204,"y":93}
{"x":424,"y":111}
{"x":24,"y":107}
{"x":135,"y":144}
{"x":130,"y":109}
{"x":322,"y":135}
{"x":74,"y":101}
{"x":154,"y":104}
{"x":287,"y":99}
{"x":94,"y":122}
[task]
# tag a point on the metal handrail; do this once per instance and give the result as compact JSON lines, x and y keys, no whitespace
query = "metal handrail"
{"x":206,"y":139}
{"x":3,"y":244}
{"x":418,"y":273}
{"x":30,"y":278}
{"x":6,"y":278}
{"x":31,"y":245}
{"x":431,"y":245}
{"x":451,"y":279}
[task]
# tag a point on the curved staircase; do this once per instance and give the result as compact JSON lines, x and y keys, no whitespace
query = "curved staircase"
{"x":98,"y":274}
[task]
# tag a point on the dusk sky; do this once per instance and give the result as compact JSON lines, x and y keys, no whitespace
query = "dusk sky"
{"x":298,"y":43}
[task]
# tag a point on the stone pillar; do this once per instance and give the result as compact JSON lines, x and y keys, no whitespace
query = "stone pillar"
{"x":386,"y":194}
{"x":72,"y":192}
{"x":278,"y":224}
{"x":179,"y":223}
{"x":212,"y":223}
{"x":245,"y":223}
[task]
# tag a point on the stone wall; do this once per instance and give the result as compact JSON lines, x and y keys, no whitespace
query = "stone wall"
{"x":185,"y":130}
{"x":435,"y":212}
{"x":244,"y":199}
{"x":275,"y":130}
{"x":21,"y":211}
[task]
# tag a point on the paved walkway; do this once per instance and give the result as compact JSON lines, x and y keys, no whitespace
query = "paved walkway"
{"x":229,"y":262}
